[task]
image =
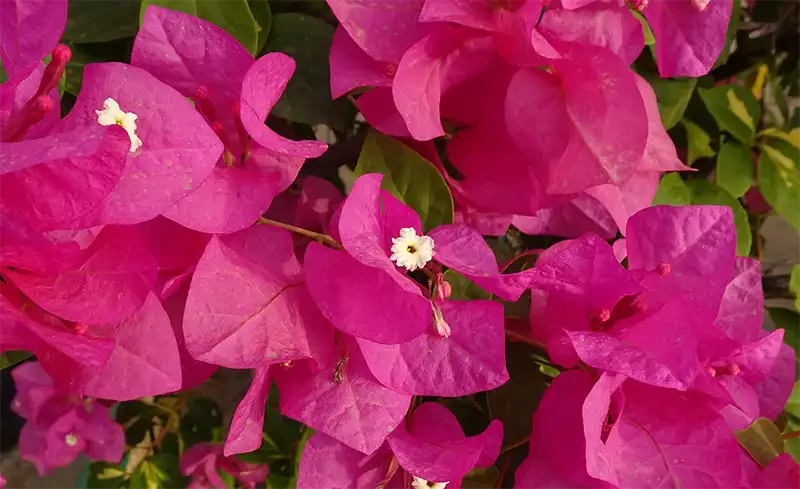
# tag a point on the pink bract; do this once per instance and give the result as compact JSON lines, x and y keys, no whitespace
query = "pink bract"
{"x":30,"y":30}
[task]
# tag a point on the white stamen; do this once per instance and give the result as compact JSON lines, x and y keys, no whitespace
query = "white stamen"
{"x":419,"y":483}
{"x":112,"y":114}
{"x":411,"y":251}
{"x":71,"y":440}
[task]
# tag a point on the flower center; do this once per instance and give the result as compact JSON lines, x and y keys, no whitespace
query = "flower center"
{"x":111,"y":114}
{"x":411,"y":251}
{"x":71,"y":440}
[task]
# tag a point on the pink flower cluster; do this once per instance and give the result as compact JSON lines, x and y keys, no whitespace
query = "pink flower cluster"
{"x":543,"y":90}
{"x":131,"y":265}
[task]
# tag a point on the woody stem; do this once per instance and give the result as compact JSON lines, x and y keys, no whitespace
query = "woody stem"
{"x":319,"y":237}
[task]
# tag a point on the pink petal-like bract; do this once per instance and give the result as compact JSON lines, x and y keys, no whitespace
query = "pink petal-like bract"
{"x":461,"y":248}
{"x":112,"y":280}
{"x":248,"y":304}
{"x":327,"y":462}
{"x":179,"y":149}
{"x":145,"y":360}
{"x":341,"y":398}
{"x":470,"y":360}
{"x":29,"y":30}
{"x":352,"y":68}
{"x":385,"y":30}
{"x":55,"y":179}
{"x":245,"y":433}
{"x":689,"y":40}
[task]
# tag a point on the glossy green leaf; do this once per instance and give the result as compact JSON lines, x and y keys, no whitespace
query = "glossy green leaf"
{"x":232,"y":15}
{"x":308,"y":95}
{"x":673,"y":191}
{"x":794,"y":285}
{"x":409,"y":177}
{"x":735,"y":168}
{"x":462,"y":288}
{"x":789,"y":321}
{"x":165,"y":469}
{"x":263,"y":16}
{"x":101,"y":20}
{"x":699,"y":143}
{"x":102,"y":475}
{"x":277,"y":481}
{"x":202,"y":422}
{"x":13,"y":357}
{"x":649,"y":38}
{"x":779,"y":180}
{"x":673,"y":95}
{"x":762,"y":440}
{"x":734,"y":108}
{"x":85,"y":53}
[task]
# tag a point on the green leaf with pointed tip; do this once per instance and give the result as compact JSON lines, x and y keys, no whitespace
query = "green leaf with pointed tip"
{"x":672,"y":190}
{"x":762,"y":440}
{"x":101,"y":20}
{"x":673,"y":95}
{"x":735,"y":168}
{"x":263,"y":16}
{"x":699,"y":143}
{"x":308,"y":95}
{"x":409,"y":177}
{"x":779,"y":179}
{"x":13,"y":357}
{"x":232,"y":15}
{"x":734,"y":108}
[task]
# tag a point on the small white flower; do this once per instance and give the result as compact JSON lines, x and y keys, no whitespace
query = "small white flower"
{"x":112,"y":114}
{"x":411,"y":251}
{"x":71,"y":440}
{"x":418,"y":483}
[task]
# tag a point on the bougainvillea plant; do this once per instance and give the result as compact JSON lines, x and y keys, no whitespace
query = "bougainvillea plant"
{"x":448,"y":243}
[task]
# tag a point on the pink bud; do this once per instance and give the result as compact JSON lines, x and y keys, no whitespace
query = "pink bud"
{"x":443,"y":290}
{"x":202,"y":99}
{"x":664,"y":269}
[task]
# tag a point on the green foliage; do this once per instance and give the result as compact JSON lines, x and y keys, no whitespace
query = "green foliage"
{"x":779,"y":179}
{"x":308,"y":96}
{"x":762,"y":440}
{"x":101,"y":20}
{"x":673,"y":96}
{"x":735,"y":110}
{"x":232,"y":15}
{"x":202,"y":422}
{"x":13,"y":357}
{"x":698,"y":142}
{"x":409,"y":177}
{"x":735,"y":168}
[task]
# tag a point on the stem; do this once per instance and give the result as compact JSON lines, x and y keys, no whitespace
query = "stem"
{"x":518,"y":443}
{"x":503,"y":469}
{"x":791,"y":434}
{"x":318,"y":237}
{"x":520,"y":255}
{"x":525,"y":339}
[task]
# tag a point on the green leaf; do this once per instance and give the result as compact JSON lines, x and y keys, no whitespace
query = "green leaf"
{"x":101,"y":20}
{"x":730,"y":34}
{"x":762,"y":440}
{"x":308,"y":95}
{"x":734,"y":108}
{"x":792,"y":445}
{"x":102,"y":475}
{"x":166,"y":468}
{"x":779,"y":180}
{"x":794,"y":285}
{"x":85,"y":53}
{"x":277,"y":481}
{"x":789,"y":321}
{"x":232,"y":15}
{"x":649,"y":38}
{"x":263,"y":16}
{"x":13,"y":357}
{"x":202,"y":422}
{"x":699,"y":143}
{"x":673,"y":95}
{"x":673,"y":191}
{"x":481,"y":478}
{"x":463,"y":289}
{"x":409,"y":177}
{"x":735,"y":168}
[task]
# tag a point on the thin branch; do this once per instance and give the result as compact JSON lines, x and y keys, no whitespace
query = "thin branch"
{"x":318,"y":237}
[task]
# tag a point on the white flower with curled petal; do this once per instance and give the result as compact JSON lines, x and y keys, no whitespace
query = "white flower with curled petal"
{"x":411,"y":251}
{"x":418,"y":483}
{"x":112,"y":114}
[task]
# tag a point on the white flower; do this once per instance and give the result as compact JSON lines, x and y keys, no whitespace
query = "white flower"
{"x":411,"y":251}
{"x":112,"y":114}
{"x":71,"y":440}
{"x":418,"y":483}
